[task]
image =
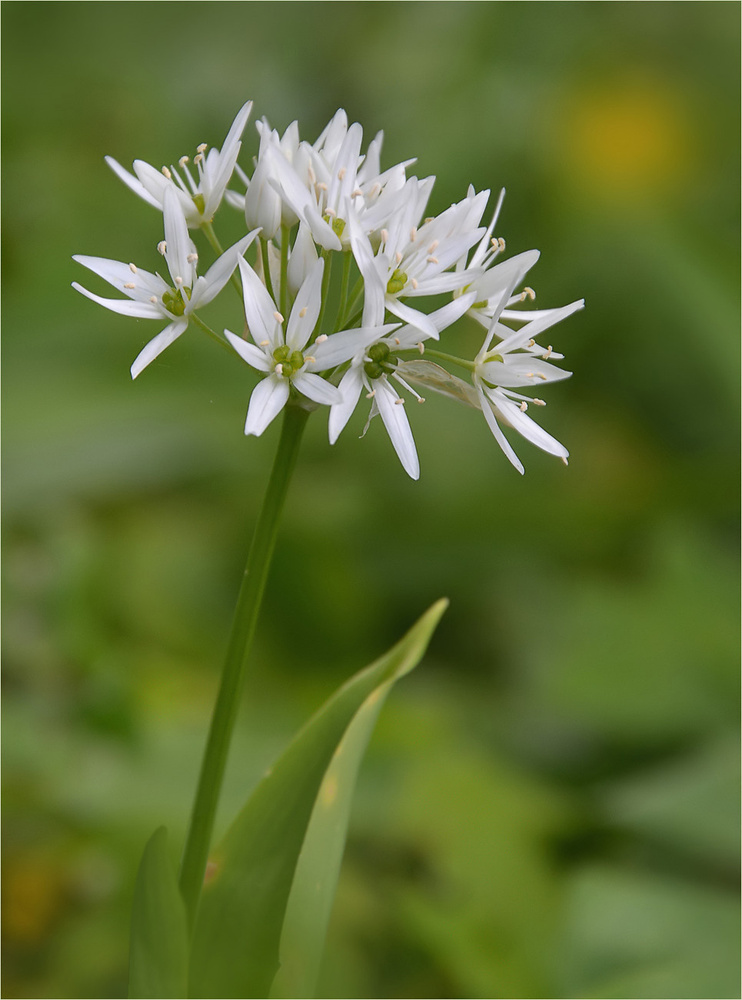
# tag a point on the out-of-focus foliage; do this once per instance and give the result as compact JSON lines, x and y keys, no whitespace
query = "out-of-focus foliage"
{"x":549,"y":805}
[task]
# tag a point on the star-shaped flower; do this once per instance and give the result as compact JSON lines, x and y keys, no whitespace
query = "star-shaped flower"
{"x":282,"y":354}
{"x":515,"y":362}
{"x":199,"y":195}
{"x":149,"y":296}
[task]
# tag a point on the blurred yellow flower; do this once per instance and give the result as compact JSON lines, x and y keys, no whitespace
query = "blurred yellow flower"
{"x":627,"y":138}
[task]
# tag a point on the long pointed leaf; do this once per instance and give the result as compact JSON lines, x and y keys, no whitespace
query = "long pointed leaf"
{"x":235,"y":948}
{"x":315,"y":881}
{"x":158,"y":960}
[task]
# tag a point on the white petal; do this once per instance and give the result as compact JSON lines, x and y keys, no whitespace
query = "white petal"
{"x":317,"y":388}
{"x":249,"y":352}
{"x":142,"y":310}
{"x":340,"y":413}
{"x":118,"y":274}
{"x":344,"y":345}
{"x":220,"y":173}
{"x":530,"y":430}
{"x":221,"y":270}
{"x":156,"y":183}
{"x":397,"y":426}
{"x":157,"y":345}
{"x":489,"y":416}
{"x":131,"y":181}
{"x":417,"y":319}
{"x":267,"y":400}
{"x":373,"y":284}
{"x":520,"y":370}
{"x":303,"y":257}
{"x":179,"y":245}
{"x":308,"y":300}
{"x":260,"y":308}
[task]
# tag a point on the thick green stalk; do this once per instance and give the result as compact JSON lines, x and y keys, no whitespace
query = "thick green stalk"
{"x":196,"y":851}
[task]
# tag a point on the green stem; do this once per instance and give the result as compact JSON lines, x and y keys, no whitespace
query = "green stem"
{"x":212,"y":333}
{"x":461,"y":362}
{"x":327,"y":257}
{"x":217,"y":248}
{"x":196,"y":851}
{"x":347,"y":258}
{"x":355,"y":296}
{"x":266,"y":268}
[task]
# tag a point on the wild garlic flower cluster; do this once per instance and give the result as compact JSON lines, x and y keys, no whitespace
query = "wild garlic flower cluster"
{"x":348,"y":285}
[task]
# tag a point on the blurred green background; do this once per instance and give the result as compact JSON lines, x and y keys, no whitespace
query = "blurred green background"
{"x":549,"y":806}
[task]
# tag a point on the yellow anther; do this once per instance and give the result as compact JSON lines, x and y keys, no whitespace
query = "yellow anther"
{"x":420,"y":346}
{"x":398,"y":257}
{"x":523,"y":406}
{"x":384,"y":235}
{"x":153,"y":299}
{"x":341,"y":173}
{"x":538,"y":402}
{"x":370,"y":395}
{"x":544,"y":377}
{"x":399,"y":401}
{"x":310,"y":359}
{"x":433,"y":246}
{"x":202,"y":147}
{"x":278,"y":369}
{"x":167,"y":173}
{"x":303,"y":312}
{"x":321,"y":339}
{"x":433,"y":260}
{"x":322,"y":186}
{"x":130,"y":284}
{"x":162,"y":247}
{"x":265,"y":343}
{"x":421,"y":399}
{"x":183,"y":160}
{"x":178,"y":280}
{"x":527,"y":293}
{"x":133,"y":268}
{"x":192,"y":258}
{"x":413,"y":234}
{"x":277,"y":317}
{"x":397,"y":341}
{"x":413,"y":282}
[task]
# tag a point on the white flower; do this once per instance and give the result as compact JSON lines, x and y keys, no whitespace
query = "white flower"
{"x":517,"y":362}
{"x":373,"y":368}
{"x":264,"y":206}
{"x":323,"y":183}
{"x":199,"y":196}
{"x":150,"y":296}
{"x":414,"y":262}
{"x":281,"y":354}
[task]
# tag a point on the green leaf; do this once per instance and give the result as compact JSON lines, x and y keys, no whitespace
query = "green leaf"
{"x":158,"y":960}
{"x":238,"y":930}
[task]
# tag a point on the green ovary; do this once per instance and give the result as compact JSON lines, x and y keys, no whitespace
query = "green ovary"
{"x":397,"y":282}
{"x":290,"y":361}
{"x":381,"y":361}
{"x":174,"y":302}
